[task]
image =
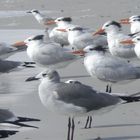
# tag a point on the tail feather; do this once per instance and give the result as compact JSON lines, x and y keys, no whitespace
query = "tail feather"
{"x":129,"y":99}
{"x":25,"y":119}
{"x":6,"y":133}
{"x":135,"y":94}
{"x":28,"y":64}
{"x":20,"y":124}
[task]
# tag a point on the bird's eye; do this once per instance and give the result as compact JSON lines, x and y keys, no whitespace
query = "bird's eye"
{"x":70,"y":81}
{"x":29,"y":39}
{"x":138,"y":38}
{"x":44,"y":74}
{"x":59,"y":20}
{"x":107,"y":25}
{"x":91,"y":49}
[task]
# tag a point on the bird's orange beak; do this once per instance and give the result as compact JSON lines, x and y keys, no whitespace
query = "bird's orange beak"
{"x":19,"y":44}
{"x":99,"y":32}
{"x":62,"y":30}
{"x":128,"y":41}
{"x":50,"y":22}
{"x":125,"y":21}
{"x":79,"y":52}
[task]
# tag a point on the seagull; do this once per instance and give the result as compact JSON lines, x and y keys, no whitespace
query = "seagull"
{"x":40,"y":17}
{"x":48,"y":54}
{"x":136,"y":41}
{"x":72,"y":99}
{"x":134,"y":22}
{"x":8,"y":117}
{"x":80,"y":37}
{"x":107,"y":67}
{"x":114,"y":36}
{"x":8,"y":66}
{"x":7,"y":50}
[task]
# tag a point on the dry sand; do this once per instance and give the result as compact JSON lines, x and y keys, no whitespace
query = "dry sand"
{"x":123,"y":123}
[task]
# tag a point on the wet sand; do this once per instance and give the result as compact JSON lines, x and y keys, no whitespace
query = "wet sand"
{"x":122,"y":123}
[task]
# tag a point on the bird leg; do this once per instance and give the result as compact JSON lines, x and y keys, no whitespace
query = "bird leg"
{"x":86,"y":122}
{"x":69,"y":126}
{"x":108,"y":88}
{"x":73,"y":127}
{"x":90,"y":121}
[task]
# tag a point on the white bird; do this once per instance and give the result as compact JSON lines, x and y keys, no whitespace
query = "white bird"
{"x":48,"y":54}
{"x":72,"y":99}
{"x":42,"y":19}
{"x":80,"y":37}
{"x":114,"y":36}
{"x":107,"y":67}
{"x":136,"y":41}
{"x":134,"y":22}
{"x":58,"y":36}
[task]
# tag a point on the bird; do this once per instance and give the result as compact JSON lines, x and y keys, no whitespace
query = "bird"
{"x":114,"y":36}
{"x":42,"y":19}
{"x":8,"y":117}
{"x":106,"y":67}
{"x":136,"y":42}
{"x":7,"y":50}
{"x":134,"y":22}
{"x":48,"y":54}
{"x":73,"y":100}
{"x":7,"y":66}
{"x":80,"y":37}
{"x":58,"y":36}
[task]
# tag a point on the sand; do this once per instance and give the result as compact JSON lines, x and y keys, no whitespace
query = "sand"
{"x":122,"y":123}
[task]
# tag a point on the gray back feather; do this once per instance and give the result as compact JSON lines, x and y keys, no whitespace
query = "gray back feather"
{"x":84,"y":96}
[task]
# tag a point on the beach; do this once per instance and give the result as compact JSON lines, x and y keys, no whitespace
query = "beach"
{"x":122,"y":123}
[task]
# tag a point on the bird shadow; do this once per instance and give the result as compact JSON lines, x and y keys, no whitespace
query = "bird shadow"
{"x":118,"y":138}
{"x":75,"y":76}
{"x":115,"y":125}
{"x":7,"y":133}
{"x":112,"y":125}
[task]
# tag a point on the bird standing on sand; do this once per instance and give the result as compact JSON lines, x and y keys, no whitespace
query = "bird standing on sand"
{"x":72,"y":99}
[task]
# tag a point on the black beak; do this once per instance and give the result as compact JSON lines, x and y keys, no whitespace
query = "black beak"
{"x":31,"y":79}
{"x":28,"y":12}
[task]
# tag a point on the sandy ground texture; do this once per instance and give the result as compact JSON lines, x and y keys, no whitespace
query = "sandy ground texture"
{"x":122,"y":123}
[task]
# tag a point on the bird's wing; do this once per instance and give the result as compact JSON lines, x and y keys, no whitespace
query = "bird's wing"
{"x":84,"y":96}
{"x":115,"y":72}
{"x":6,"y":66}
{"x":6,"y":115}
